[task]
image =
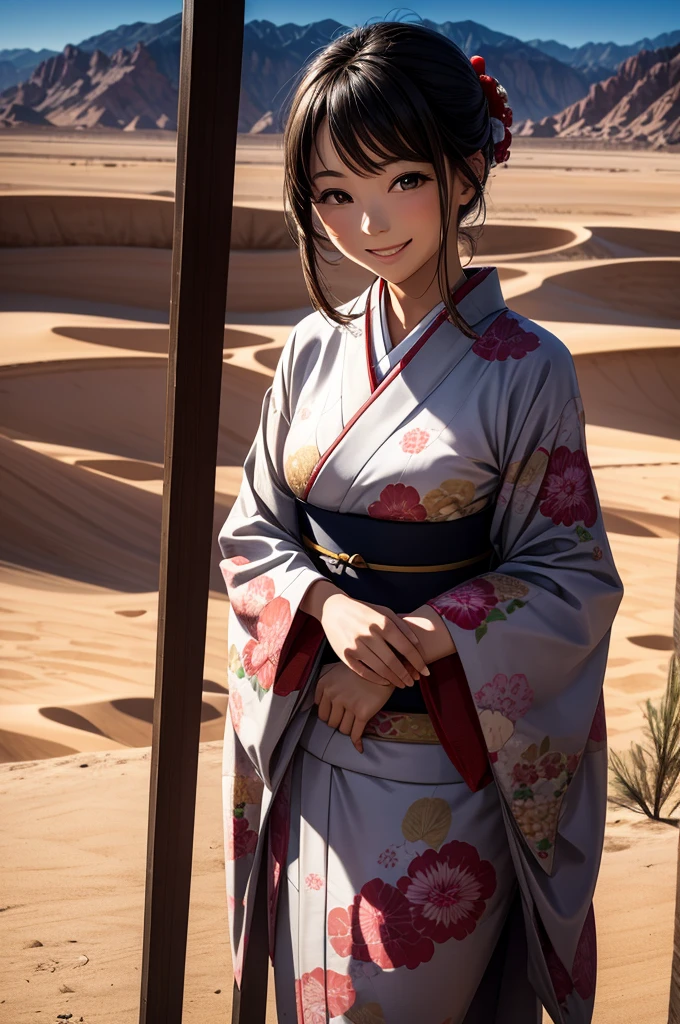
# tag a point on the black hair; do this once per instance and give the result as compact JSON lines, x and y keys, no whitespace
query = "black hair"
{"x":390,"y":90}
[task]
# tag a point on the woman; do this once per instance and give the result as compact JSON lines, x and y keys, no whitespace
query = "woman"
{"x":421,"y":590}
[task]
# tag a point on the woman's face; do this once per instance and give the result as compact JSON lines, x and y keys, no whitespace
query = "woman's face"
{"x":387,"y":222}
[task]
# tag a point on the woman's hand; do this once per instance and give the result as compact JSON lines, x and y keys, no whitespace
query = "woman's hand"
{"x":347,"y":702}
{"x":435,"y":640}
{"x":368,"y":639}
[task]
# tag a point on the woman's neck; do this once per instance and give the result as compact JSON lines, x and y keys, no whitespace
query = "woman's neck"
{"x":409,"y":301}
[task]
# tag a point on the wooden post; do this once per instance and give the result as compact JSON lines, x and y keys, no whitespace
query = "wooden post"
{"x":209,"y":87}
{"x":674,"y":1004}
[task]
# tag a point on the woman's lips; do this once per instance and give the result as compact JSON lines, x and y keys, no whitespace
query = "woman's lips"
{"x":391,"y":252}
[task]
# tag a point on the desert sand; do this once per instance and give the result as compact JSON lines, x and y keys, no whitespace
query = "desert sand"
{"x":587,"y":243}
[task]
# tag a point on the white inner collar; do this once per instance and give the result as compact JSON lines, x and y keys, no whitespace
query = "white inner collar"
{"x":385,"y":356}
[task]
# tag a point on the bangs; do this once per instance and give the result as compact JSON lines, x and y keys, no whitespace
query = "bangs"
{"x":372,"y":119}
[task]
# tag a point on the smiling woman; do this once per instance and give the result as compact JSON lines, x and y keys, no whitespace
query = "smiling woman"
{"x":388,"y":222}
{"x":421,"y":590}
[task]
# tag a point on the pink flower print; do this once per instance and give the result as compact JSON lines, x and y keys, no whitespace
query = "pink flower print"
{"x":551,"y":765}
{"x":229,"y":567}
{"x":572,"y":763}
{"x":468,"y":604}
{"x":584,"y":970}
{"x":313,"y":881}
{"x":414,"y":440}
{"x":316,"y":989}
{"x":304,"y":413}
{"x":240,"y":839}
{"x":524,"y":774}
{"x":389,"y":857}
{"x":448,"y":890}
{"x":261,"y":656}
{"x":566,"y":495}
{"x":378,"y":928}
{"x":513,"y":697}
{"x":250,"y":599}
{"x":235,"y":708}
{"x":398,"y":501}
{"x":504,"y":339}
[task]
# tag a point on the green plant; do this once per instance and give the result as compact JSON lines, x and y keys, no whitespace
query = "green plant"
{"x":646,"y":778}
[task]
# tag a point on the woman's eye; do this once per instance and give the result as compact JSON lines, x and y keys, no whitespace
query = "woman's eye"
{"x":410,"y":181}
{"x":335,"y":198}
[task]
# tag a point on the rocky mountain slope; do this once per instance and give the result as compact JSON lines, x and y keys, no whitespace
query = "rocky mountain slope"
{"x":77,"y":89}
{"x":639,"y":104}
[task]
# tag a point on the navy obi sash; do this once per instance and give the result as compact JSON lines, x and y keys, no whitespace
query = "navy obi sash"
{"x":460,"y":544}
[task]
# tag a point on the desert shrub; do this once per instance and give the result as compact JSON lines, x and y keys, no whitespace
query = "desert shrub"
{"x":646,"y":777}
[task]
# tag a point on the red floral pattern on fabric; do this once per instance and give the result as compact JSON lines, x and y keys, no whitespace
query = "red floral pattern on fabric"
{"x":551,"y":765}
{"x":313,"y":881}
{"x":261,"y":656}
{"x":228,"y":572}
{"x":584,"y":970}
{"x":240,"y":839}
{"x":598,"y":729}
{"x":398,"y":501}
{"x":524,"y":774}
{"x":414,"y":440}
{"x":566,"y":495}
{"x":378,"y":927}
{"x":312,"y":991}
{"x":448,"y":890}
{"x":466,"y":605}
{"x":504,"y":339}
{"x":250,"y":600}
{"x":512,"y":697}
{"x":235,"y":708}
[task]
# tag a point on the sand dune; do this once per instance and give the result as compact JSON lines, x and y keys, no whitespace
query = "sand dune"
{"x":622,"y":292}
{"x":636,"y":391}
{"x":83,"y":340}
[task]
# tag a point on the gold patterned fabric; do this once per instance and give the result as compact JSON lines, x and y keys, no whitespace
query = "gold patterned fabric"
{"x":401,"y":727}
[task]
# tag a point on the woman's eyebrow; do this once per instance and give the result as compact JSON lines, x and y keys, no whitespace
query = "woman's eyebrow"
{"x":328,"y":174}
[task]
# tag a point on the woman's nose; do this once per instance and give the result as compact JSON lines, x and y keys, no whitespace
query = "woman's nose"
{"x":374,"y":221}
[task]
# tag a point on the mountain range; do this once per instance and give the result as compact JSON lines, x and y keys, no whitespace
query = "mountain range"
{"x":127,"y":77}
{"x":639,"y":104}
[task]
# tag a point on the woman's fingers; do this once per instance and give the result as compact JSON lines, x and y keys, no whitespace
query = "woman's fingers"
{"x":325,"y":706}
{"x":336,"y":715}
{"x":347,"y":722}
{"x":408,"y":631}
{"x":384,"y":663}
{"x":388,"y":661}
{"x":394,"y":635}
{"x":356,"y":734}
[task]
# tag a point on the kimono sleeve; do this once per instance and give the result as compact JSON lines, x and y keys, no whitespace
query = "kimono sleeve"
{"x":273,"y":644}
{"x":533,"y":635}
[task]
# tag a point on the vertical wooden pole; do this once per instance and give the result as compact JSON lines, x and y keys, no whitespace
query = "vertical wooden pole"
{"x":209,"y":86}
{"x":674,"y":1004}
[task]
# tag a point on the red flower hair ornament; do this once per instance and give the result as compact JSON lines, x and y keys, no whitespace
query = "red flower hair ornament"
{"x":500,"y":114}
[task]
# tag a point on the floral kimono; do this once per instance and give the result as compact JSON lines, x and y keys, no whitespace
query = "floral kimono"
{"x":396,"y":890}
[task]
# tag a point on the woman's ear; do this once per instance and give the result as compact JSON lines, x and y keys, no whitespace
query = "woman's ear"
{"x":478,"y":165}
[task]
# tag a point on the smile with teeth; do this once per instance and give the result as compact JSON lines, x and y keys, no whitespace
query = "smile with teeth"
{"x":389,"y":252}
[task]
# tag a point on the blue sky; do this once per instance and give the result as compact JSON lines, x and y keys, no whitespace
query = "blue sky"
{"x":53,"y":23}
